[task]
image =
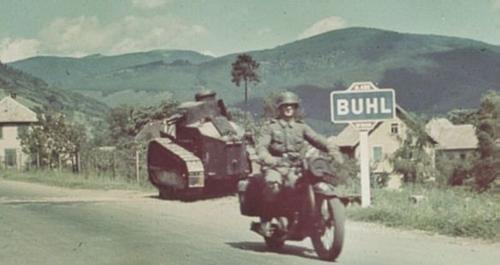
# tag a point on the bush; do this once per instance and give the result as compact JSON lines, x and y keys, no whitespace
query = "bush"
{"x":453,"y":172}
{"x":452,"y":211}
{"x":485,"y":172}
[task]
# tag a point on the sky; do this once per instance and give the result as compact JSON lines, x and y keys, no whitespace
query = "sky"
{"x":218,"y":27}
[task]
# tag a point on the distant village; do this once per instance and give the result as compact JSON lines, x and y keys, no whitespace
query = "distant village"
{"x":442,"y":139}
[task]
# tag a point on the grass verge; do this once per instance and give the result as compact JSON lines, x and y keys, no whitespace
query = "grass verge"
{"x":71,"y":180}
{"x":454,"y":212}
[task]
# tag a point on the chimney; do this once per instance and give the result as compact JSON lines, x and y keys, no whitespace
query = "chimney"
{"x":13,"y":95}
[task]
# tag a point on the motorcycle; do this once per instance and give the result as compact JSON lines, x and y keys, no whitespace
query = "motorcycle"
{"x":311,"y":209}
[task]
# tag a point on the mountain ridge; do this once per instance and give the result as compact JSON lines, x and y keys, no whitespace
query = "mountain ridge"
{"x":63,"y":67}
{"x":430,"y":73}
{"x":39,"y":96}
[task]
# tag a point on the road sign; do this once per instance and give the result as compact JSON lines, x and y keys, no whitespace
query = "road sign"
{"x":363,"y":105}
{"x":369,"y":104}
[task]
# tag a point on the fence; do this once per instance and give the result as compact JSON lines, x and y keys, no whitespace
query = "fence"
{"x":114,"y":163}
{"x":101,"y":162}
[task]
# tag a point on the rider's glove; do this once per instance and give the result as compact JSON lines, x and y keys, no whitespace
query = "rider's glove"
{"x":335,"y":154}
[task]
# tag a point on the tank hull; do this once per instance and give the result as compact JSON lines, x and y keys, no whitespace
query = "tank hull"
{"x":179,"y":174}
{"x":200,"y":150}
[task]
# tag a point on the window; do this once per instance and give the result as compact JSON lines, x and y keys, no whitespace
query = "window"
{"x":394,"y":128}
{"x":377,"y":153}
{"x":10,"y":157}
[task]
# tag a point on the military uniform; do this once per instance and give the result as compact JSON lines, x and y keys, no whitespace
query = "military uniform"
{"x":282,"y":141}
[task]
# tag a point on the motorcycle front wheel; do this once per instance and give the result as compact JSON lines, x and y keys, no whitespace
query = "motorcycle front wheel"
{"x":328,"y":234}
{"x":277,"y":239}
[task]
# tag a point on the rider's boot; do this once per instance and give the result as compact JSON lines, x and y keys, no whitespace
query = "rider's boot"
{"x":283,"y":221}
{"x":268,"y":211}
{"x":263,"y":228}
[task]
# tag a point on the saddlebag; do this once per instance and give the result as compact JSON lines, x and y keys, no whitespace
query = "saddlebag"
{"x":250,"y":195}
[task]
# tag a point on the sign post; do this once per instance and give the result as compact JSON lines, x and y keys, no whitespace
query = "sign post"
{"x":363,"y":105}
{"x":364,"y":155}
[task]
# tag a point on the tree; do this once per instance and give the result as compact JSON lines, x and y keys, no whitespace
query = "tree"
{"x":269,"y":107}
{"x":487,"y":167}
{"x":244,"y":69}
{"x":463,"y":116}
{"x":54,"y":140}
{"x":121,"y":125}
{"x":77,"y":138}
{"x":411,"y":159}
{"x":125,"y":122}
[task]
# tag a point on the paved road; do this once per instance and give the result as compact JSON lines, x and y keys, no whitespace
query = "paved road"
{"x":47,"y":225}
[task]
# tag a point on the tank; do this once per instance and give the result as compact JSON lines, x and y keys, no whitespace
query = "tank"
{"x":200,"y":149}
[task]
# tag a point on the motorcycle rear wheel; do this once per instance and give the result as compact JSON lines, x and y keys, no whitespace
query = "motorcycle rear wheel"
{"x":328,"y":234}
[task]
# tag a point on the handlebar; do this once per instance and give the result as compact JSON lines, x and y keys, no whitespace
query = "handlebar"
{"x":292,"y":160}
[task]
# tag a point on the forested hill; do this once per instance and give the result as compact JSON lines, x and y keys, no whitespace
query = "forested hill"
{"x":64,"y":71}
{"x":38,"y":95}
{"x":431,"y":74}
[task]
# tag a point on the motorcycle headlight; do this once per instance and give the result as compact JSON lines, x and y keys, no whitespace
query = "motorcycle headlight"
{"x":320,"y":167}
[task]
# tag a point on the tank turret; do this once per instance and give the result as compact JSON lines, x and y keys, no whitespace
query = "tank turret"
{"x":205,"y":95}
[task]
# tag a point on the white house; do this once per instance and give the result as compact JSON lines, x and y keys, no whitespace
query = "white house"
{"x":14,"y":118}
{"x":454,"y":141}
{"x":383,"y":140}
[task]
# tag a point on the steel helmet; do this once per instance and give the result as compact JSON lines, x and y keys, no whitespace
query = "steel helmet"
{"x":204,"y":94}
{"x":288,"y":97}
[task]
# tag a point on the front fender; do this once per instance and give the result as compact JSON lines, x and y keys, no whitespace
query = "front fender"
{"x":325,"y":189}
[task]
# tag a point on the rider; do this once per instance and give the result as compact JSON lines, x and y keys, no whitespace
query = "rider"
{"x":282,"y":143}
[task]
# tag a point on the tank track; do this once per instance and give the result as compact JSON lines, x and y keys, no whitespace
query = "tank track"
{"x":195,"y":171}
